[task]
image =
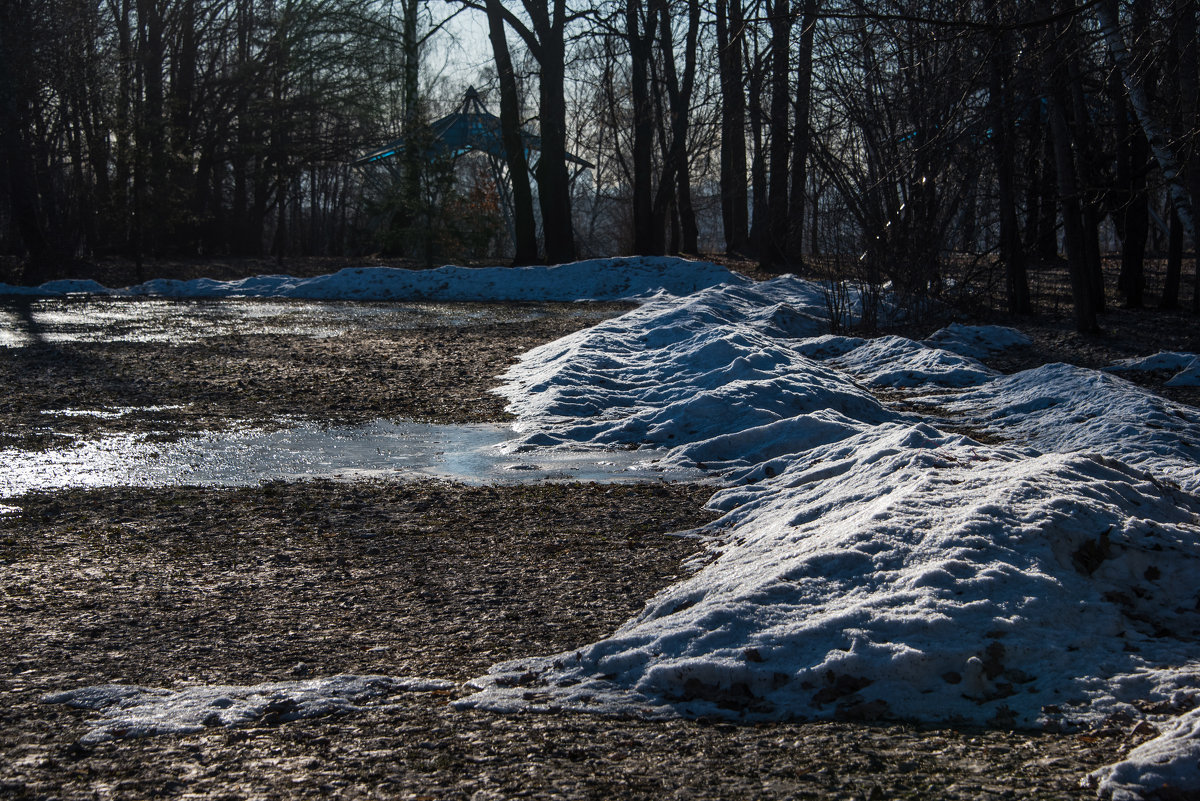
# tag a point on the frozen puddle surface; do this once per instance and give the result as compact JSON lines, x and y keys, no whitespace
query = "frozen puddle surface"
{"x":382,"y":449}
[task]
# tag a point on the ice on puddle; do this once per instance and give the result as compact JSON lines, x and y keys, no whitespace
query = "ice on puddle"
{"x":130,"y":711}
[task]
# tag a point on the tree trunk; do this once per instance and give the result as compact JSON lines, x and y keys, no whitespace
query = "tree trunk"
{"x":1170,"y":294}
{"x":410,"y":44}
{"x":1133,"y":214}
{"x":801,"y":142}
{"x":1057,"y":97}
{"x":22,"y":188}
{"x":681,"y":102}
{"x":152,"y":144}
{"x":1087,"y":179}
{"x":774,"y":254}
{"x":640,"y":41}
{"x":524,"y":225}
{"x":734,"y":198}
{"x":1156,"y":133}
{"x":1041,"y":232}
{"x":1189,"y":106}
{"x":1016,"y":280}
{"x":758,"y":163}
{"x":554,"y":185}
{"x":679,"y":94}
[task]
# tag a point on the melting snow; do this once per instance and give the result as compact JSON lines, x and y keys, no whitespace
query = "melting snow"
{"x":595,"y":279}
{"x":1170,"y":760}
{"x":1064,"y":409}
{"x":1185,"y":366}
{"x":132,"y":711}
{"x":899,"y":363}
{"x":977,"y":341}
{"x":868,"y":564}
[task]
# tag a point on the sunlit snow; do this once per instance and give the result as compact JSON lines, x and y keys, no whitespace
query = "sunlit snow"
{"x":869,"y":564}
{"x":128,"y":711}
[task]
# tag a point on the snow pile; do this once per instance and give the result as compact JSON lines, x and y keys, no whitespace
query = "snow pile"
{"x":1170,"y":762}
{"x":723,"y":361}
{"x":1063,"y":409}
{"x":977,"y":341}
{"x":594,"y":279}
{"x":869,"y":565}
{"x":1185,"y":366}
{"x":902,"y":572}
{"x":131,"y":711}
{"x":899,"y":363}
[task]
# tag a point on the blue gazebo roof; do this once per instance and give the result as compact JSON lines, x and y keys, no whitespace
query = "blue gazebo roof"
{"x":470,"y":129}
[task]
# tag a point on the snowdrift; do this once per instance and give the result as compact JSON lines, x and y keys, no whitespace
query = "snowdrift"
{"x":595,"y":279}
{"x":870,"y":565}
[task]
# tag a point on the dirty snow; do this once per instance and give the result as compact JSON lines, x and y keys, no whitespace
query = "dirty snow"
{"x":900,"y":363}
{"x":594,"y":279}
{"x":869,"y":564}
{"x":129,"y":711}
{"x":1170,"y":760}
{"x":977,"y":341}
{"x":1061,"y":408}
{"x":1185,"y":366}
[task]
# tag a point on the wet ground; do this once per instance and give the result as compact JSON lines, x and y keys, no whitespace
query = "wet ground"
{"x":95,"y":319}
{"x":336,"y":364}
{"x":383,"y":449}
{"x":175,"y":586}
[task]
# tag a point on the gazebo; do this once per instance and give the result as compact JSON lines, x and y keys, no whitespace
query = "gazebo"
{"x":470,"y":129}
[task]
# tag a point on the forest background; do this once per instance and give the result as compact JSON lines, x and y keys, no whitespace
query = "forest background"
{"x":939,"y":149}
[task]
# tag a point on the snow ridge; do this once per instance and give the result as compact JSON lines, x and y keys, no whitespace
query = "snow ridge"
{"x":868,"y":564}
{"x":594,"y":279}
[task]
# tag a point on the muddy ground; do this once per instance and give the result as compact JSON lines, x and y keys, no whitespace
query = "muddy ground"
{"x":172,"y":587}
{"x":433,"y":374}
{"x":175,"y":586}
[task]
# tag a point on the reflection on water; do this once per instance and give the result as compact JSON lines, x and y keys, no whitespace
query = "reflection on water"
{"x":101,"y":319}
{"x":383,"y":449}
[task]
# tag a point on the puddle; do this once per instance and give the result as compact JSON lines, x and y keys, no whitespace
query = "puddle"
{"x":181,"y":321}
{"x":383,"y":449}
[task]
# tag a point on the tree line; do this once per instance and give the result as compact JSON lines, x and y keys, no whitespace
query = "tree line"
{"x":921,"y":144}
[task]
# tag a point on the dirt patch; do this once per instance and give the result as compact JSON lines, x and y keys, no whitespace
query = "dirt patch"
{"x":441,"y":374}
{"x":169,"y":587}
